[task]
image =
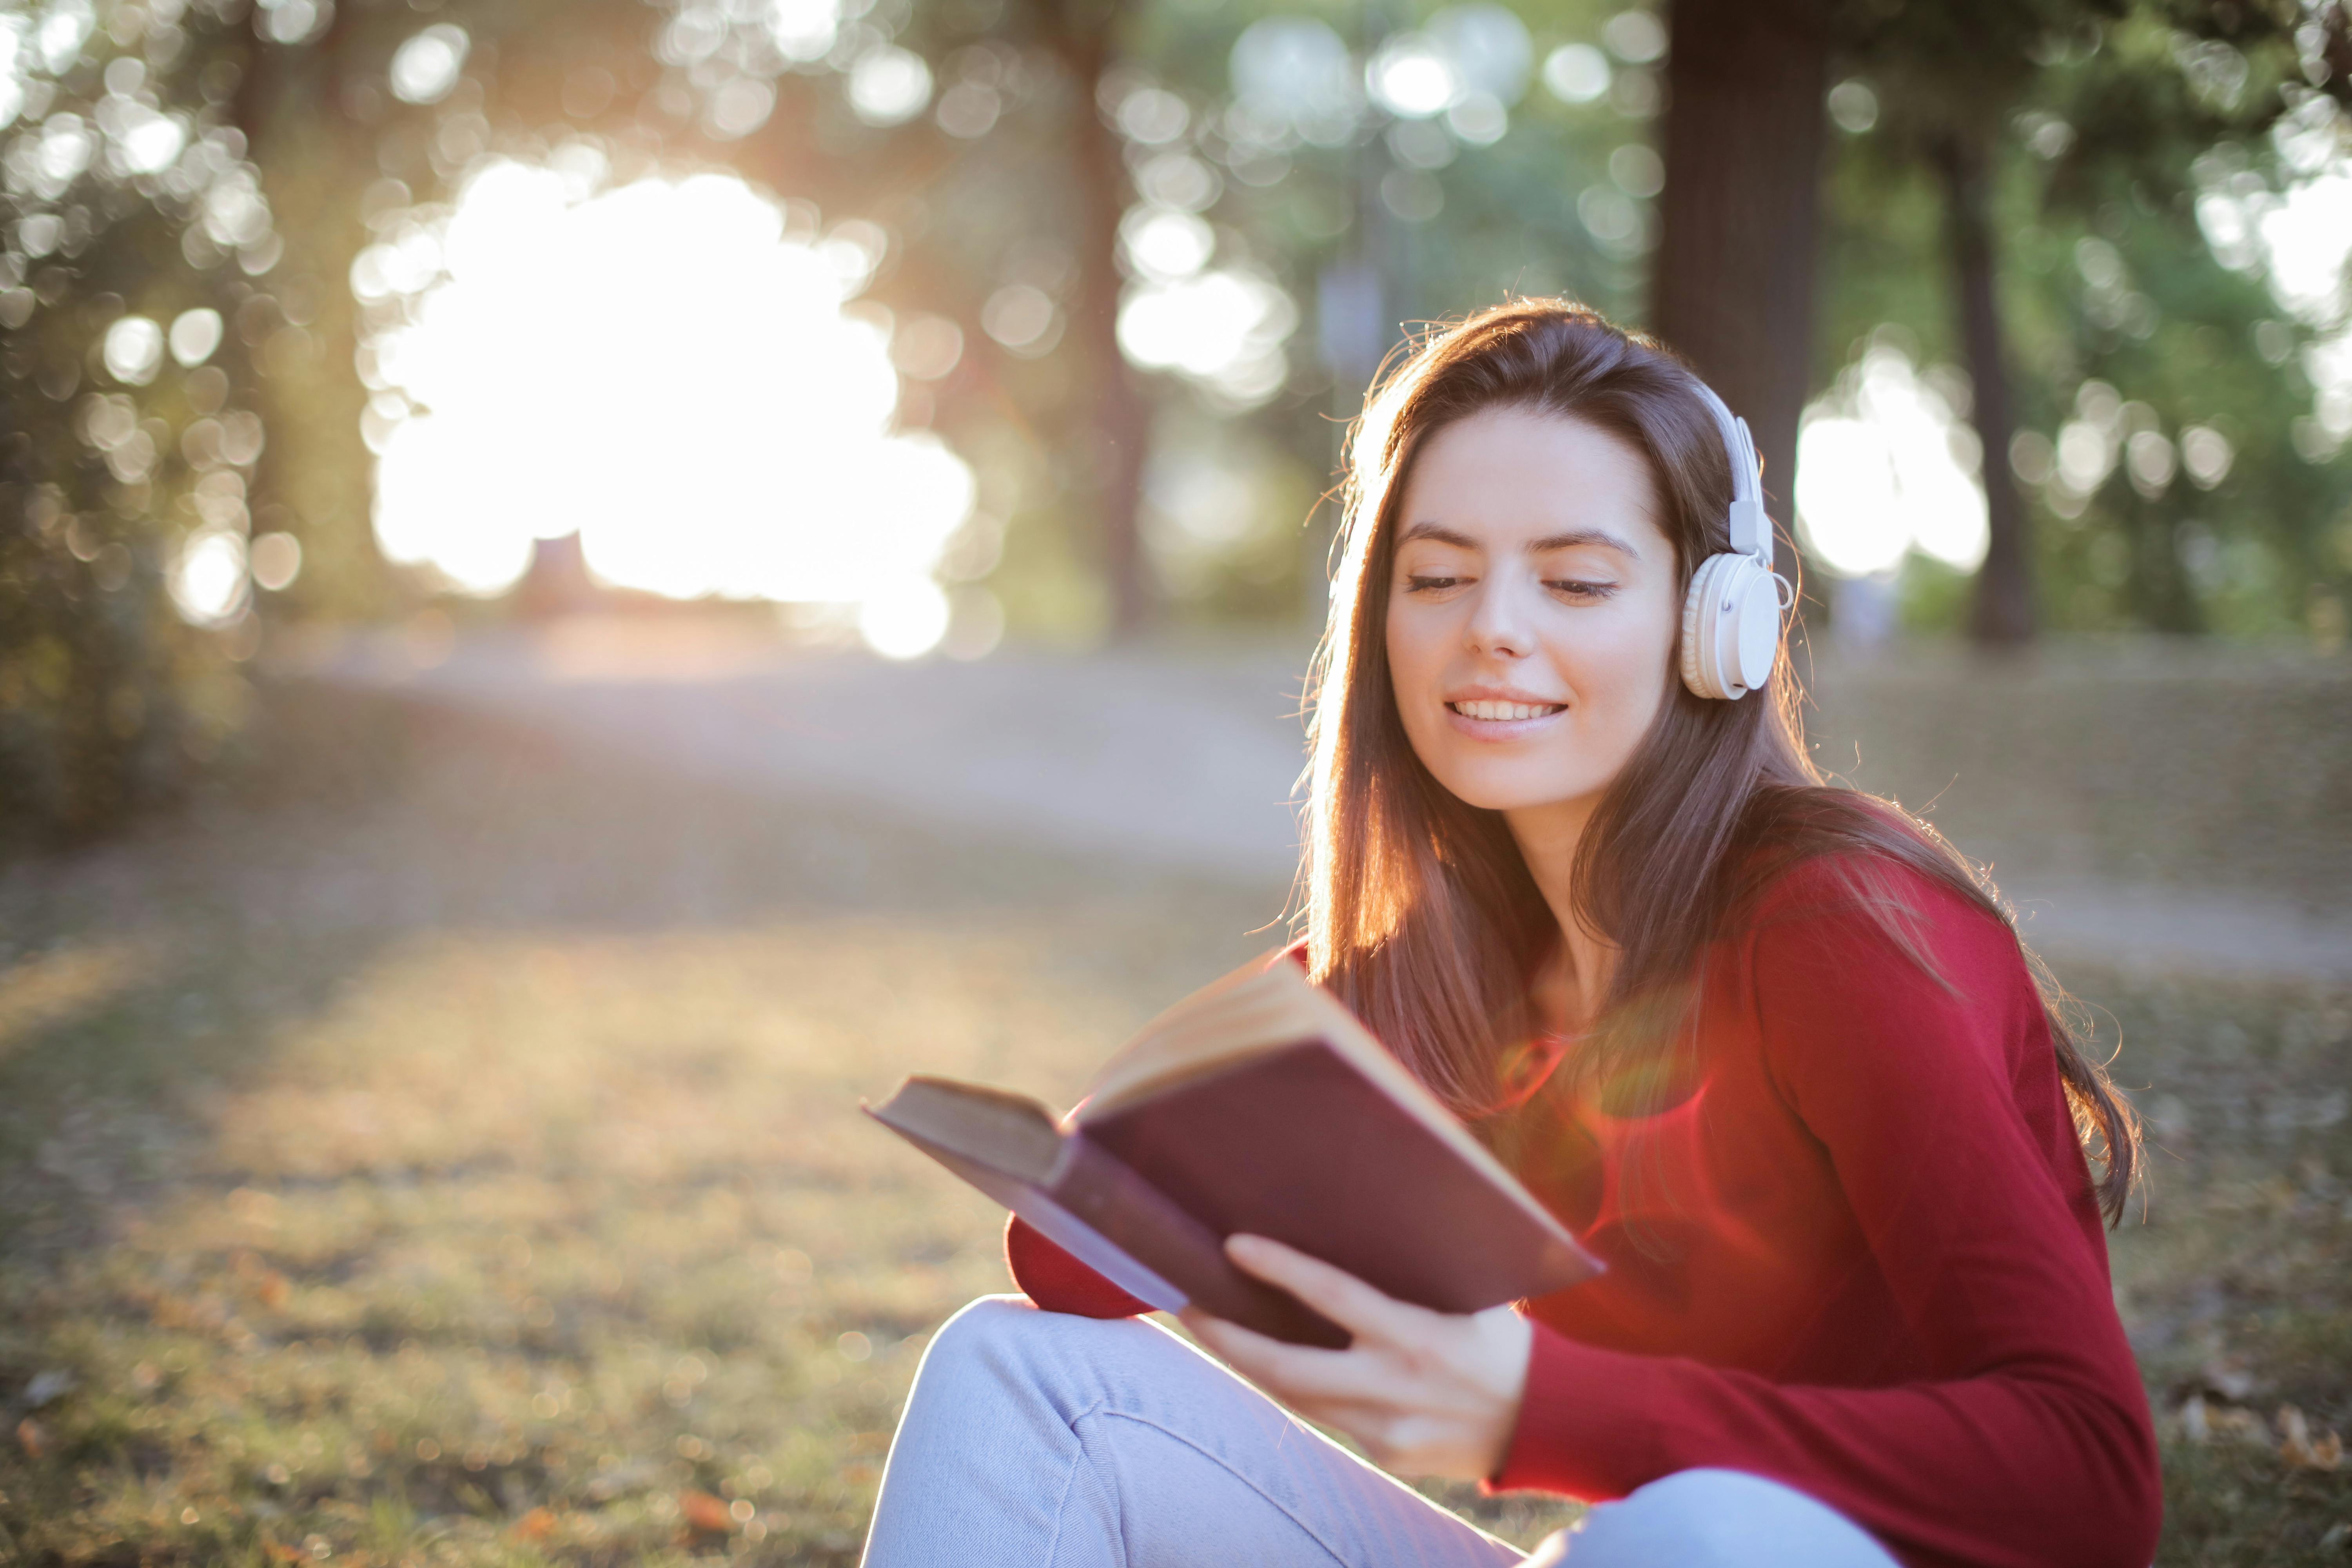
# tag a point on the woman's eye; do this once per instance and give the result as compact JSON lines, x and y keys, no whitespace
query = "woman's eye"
{"x":1579,"y":588}
{"x":1416,"y":583}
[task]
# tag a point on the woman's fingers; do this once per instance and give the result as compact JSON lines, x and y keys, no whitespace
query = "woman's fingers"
{"x":1336,"y":1294}
{"x":1297,"y":1373}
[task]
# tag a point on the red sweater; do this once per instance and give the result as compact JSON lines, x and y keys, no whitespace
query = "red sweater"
{"x":1863,"y":1258}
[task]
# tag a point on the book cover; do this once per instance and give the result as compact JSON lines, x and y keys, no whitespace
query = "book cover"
{"x":1255,"y":1109}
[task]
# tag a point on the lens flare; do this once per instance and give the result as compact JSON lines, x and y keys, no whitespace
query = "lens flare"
{"x":662,"y":369}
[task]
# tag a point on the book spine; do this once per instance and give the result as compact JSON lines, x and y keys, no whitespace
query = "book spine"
{"x":1102,"y":1190}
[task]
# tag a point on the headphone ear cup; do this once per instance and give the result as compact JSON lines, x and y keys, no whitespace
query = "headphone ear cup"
{"x":1700,"y":670}
{"x":1731,"y":628}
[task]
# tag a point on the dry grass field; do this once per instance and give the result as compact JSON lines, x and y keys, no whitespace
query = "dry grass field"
{"x":451,"y":1155}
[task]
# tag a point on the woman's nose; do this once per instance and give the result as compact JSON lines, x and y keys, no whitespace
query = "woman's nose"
{"x":1498,"y":623}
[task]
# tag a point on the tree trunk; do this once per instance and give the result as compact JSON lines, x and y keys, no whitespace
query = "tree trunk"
{"x":1120,"y":420}
{"x":1732,"y":284}
{"x":2002,"y":615}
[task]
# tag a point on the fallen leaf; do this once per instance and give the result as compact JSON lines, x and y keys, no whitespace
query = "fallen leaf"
{"x":32,"y":1438}
{"x":704,"y":1512}
{"x":280,"y":1552}
{"x":2300,"y":1449}
{"x":273,"y":1289}
{"x":536,"y":1525}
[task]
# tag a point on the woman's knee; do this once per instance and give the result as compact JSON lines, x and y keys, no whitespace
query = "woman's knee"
{"x":1721,"y":1518}
{"x":1005,"y":1340}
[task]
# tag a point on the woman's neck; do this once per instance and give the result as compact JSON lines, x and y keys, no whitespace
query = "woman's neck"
{"x":1547,"y":837}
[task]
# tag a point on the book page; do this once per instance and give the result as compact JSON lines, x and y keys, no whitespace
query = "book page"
{"x":1194,"y":1033}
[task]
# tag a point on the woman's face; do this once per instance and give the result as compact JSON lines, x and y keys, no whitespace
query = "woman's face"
{"x":1533,"y":608}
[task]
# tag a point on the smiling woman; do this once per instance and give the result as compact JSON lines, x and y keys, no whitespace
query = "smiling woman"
{"x":666,"y":369}
{"x":1768,"y":1045}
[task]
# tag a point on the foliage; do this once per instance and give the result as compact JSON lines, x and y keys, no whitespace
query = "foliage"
{"x":131,"y":208}
{"x":2142,"y":324}
{"x":2131,"y":139}
{"x":1361,"y":222}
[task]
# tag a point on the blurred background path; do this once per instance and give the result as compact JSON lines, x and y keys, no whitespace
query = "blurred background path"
{"x":1185,"y":758}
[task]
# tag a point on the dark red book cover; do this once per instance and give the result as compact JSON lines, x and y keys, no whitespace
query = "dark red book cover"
{"x":1258,"y":1106}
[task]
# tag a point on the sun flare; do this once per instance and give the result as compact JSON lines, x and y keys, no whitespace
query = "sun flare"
{"x":665,"y":367}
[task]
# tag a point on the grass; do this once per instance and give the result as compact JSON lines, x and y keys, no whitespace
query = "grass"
{"x":2237,"y":1288}
{"x":459,"y":1166}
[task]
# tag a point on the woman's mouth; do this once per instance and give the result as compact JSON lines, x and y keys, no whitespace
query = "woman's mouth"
{"x":1505,"y":713}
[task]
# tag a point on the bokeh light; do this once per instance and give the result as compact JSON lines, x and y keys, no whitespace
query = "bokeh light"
{"x":134,"y":350}
{"x":1412,"y":76}
{"x":1295,"y":71}
{"x":195,"y":335}
{"x":1223,"y":328}
{"x":426,"y":67}
{"x":1884,"y":464}
{"x":1576,"y":73}
{"x":209,"y":582}
{"x":665,"y":369}
{"x":1634,"y":37}
{"x":889,"y":85}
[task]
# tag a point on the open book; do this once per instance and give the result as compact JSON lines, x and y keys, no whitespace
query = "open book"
{"x":1259,"y":1104}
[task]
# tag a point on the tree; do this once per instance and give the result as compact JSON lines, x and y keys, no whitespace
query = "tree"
{"x":139,"y":226}
{"x":2086,"y":117}
{"x":1950,"y":77}
{"x":1732,"y":281}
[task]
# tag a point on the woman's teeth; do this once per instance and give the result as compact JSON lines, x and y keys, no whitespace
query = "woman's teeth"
{"x":1507,"y":709}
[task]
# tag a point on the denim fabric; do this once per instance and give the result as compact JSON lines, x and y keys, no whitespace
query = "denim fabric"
{"x":1036,"y":1440}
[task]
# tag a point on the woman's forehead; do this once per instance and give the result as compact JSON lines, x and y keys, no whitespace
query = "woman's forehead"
{"x":1512,"y":474}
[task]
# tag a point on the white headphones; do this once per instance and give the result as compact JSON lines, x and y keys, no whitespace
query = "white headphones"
{"x":1731,"y":622}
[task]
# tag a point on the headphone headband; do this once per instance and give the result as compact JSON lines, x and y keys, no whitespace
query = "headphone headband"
{"x":1751,"y":533}
{"x":1731,"y":613}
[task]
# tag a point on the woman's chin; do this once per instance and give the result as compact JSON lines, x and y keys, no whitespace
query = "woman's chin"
{"x":1512,"y":789}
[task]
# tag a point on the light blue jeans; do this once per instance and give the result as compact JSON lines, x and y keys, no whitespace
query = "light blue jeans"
{"x":1036,"y":1440}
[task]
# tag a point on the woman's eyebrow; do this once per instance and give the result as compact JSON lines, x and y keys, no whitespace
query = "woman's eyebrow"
{"x":1439,"y":533}
{"x":1576,"y":537}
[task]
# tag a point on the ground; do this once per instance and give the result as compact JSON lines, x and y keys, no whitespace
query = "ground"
{"x":444,"y":1149}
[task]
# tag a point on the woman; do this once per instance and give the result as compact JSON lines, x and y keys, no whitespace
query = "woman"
{"x":1768,"y":1045}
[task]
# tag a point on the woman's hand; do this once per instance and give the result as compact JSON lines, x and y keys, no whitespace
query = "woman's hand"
{"x":1426,"y":1394}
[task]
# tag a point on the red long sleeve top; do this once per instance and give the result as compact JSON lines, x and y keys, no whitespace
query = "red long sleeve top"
{"x":1863,"y":1258}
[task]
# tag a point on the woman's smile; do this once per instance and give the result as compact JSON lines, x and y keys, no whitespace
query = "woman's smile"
{"x":1493,"y":713}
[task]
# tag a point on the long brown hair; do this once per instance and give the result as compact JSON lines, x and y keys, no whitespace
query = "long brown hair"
{"x":1419,"y":909}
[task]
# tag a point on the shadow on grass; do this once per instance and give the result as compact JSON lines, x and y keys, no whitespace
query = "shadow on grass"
{"x":446,"y":1146}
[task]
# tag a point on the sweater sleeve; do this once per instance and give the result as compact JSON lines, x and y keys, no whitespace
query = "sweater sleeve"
{"x":1059,"y":1282}
{"x":1934,"y":1098}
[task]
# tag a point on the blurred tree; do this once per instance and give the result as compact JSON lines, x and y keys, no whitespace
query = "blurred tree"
{"x":1948,"y":77}
{"x":2062,"y":174}
{"x":137,"y":235}
{"x":1129,"y":212}
{"x":1083,"y":36}
{"x":1734,"y":273}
